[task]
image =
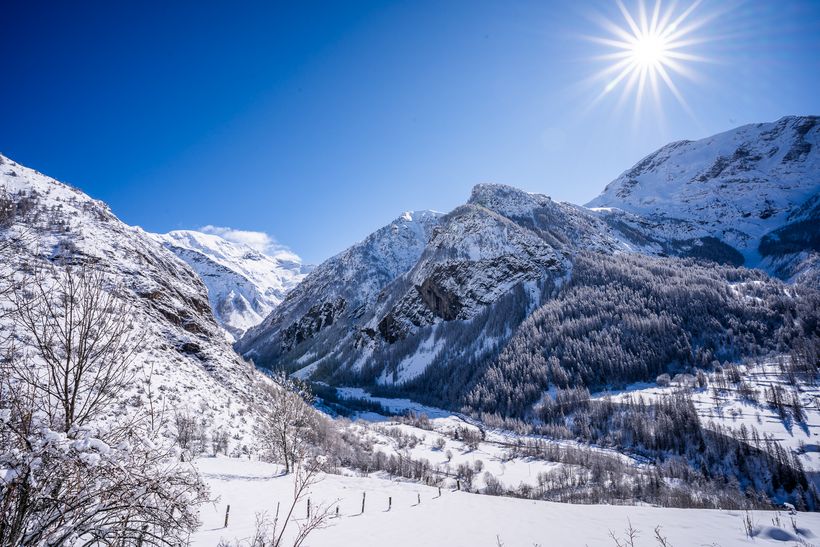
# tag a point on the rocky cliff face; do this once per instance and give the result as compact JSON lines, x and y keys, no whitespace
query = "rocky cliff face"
{"x":342,"y":290}
{"x":503,"y":245}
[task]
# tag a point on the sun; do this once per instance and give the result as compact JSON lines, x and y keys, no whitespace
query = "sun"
{"x":649,"y":49}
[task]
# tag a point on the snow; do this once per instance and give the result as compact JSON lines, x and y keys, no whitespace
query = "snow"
{"x":491,"y":451}
{"x":396,"y":406}
{"x":244,"y":285}
{"x":415,"y":364}
{"x":733,"y":411}
{"x":457,"y":519}
{"x":736,"y":186}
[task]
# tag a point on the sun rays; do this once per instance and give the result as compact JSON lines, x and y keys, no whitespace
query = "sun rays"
{"x":648,"y":50}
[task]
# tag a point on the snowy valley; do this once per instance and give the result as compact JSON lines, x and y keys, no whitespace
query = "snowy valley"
{"x":518,"y":371}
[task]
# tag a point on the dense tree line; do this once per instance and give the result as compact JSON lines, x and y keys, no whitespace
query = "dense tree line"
{"x":668,"y":434}
{"x":628,"y":318}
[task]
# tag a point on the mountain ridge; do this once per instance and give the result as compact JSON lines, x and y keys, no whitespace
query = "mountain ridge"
{"x":488,"y":264}
{"x":183,"y":360}
{"x":737,"y":186}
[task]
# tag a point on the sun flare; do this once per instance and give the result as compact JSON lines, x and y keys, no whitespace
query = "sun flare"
{"x":649,"y":49}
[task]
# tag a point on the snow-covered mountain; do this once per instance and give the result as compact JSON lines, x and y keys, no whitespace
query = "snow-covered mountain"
{"x":244,"y":285}
{"x":344,"y":286}
{"x":430,"y":291}
{"x":191,"y":365}
{"x":504,"y":249}
{"x":466,"y":282}
{"x":509,"y":309}
{"x":755,"y":188}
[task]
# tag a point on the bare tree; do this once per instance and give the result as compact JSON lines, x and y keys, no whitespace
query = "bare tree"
{"x":630,"y":535}
{"x":288,"y":426}
{"x":186,"y":429}
{"x":78,"y":469}
{"x":662,"y":540}
{"x":270,"y":532}
{"x":306,"y":474}
{"x":82,"y":339}
{"x":219,"y":441}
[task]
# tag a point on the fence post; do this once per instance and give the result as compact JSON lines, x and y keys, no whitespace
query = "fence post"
{"x":364,"y":494}
{"x":337,"y":511}
{"x":389,"y":503}
{"x":419,"y":498}
{"x":458,"y":484}
{"x":227,"y":512}
{"x":439,"y":491}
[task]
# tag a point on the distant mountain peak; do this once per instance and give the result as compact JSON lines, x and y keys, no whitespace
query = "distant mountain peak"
{"x":244,"y":284}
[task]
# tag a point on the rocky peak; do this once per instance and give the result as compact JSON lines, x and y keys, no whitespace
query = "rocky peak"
{"x":507,"y":201}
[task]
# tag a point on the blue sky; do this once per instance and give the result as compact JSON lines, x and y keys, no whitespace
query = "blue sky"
{"x":318,"y":122}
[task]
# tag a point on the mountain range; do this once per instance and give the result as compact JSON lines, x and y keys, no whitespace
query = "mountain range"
{"x":462,"y":309}
{"x":426,"y":305}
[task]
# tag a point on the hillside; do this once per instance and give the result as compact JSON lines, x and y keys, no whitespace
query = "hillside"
{"x":51,"y":227}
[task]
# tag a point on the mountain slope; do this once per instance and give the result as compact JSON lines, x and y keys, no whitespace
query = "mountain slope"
{"x":342,"y":287}
{"x":244,"y":285}
{"x":499,"y":254}
{"x":191,"y":367}
{"x":749,"y":188}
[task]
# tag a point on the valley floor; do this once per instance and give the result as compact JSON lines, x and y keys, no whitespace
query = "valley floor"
{"x":462,"y":519}
{"x":420,"y":516}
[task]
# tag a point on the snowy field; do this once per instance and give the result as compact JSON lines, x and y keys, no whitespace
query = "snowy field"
{"x":457,"y":518}
{"x":460,"y":519}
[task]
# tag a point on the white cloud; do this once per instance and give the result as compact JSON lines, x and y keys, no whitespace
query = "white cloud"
{"x":260,"y":241}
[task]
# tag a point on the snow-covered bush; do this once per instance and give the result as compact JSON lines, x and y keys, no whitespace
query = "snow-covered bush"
{"x":75,"y":467}
{"x":101,"y":483}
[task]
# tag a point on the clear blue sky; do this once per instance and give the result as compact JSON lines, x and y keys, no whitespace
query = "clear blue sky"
{"x":319,"y":122}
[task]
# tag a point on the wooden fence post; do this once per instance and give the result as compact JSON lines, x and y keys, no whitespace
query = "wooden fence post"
{"x":389,"y":503}
{"x":364,"y":494}
{"x":227,"y":512}
{"x":419,"y":498}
